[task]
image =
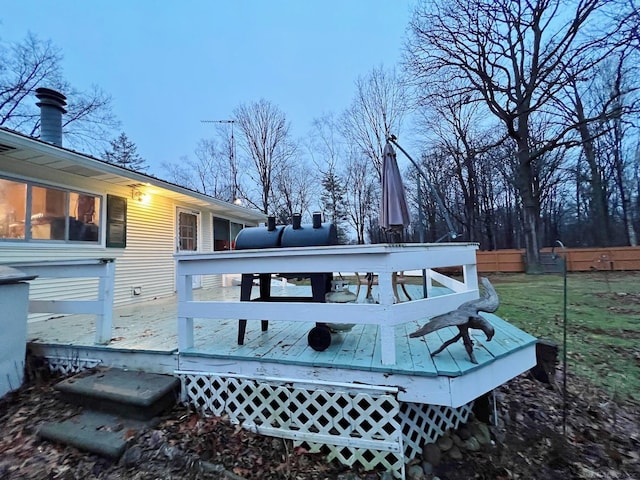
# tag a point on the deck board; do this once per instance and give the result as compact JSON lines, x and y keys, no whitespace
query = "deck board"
{"x":348,"y":345}
{"x":288,"y":346}
{"x":508,"y":338}
{"x":363,"y":357}
{"x":406,"y":362}
{"x":419,"y":352}
{"x":145,"y":337}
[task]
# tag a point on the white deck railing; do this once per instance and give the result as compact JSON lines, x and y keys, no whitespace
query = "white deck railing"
{"x":384,"y":260}
{"x":101,"y":307}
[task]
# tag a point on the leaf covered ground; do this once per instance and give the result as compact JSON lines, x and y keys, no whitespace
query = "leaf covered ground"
{"x":602,"y":441}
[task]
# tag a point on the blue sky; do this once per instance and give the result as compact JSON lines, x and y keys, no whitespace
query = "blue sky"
{"x":170,"y":64}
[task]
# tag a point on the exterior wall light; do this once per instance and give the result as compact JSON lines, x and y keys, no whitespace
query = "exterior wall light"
{"x":139,"y":195}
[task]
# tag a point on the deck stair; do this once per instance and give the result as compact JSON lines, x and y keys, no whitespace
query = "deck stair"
{"x":116,"y":403}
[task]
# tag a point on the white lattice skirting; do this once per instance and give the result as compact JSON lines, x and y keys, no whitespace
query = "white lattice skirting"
{"x":357,"y":424}
{"x":70,"y":365}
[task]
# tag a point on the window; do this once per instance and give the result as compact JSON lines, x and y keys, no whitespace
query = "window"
{"x":187,"y":231}
{"x":224,"y":233}
{"x":38,"y":213}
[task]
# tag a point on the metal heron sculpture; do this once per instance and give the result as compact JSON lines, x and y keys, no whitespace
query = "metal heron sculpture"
{"x":466,"y":316}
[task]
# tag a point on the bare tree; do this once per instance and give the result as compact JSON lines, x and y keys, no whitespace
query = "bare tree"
{"x":461,"y":133}
{"x":377,"y":110}
{"x":361,"y":193}
{"x":517,"y":55}
{"x":34,"y":63}
{"x":264,"y":137}
{"x":207,"y":174}
{"x":227,"y":153}
{"x":326,"y":147}
{"x":326,"y":143}
{"x":611,"y":95}
{"x":292,"y":190}
{"x":181,"y":174}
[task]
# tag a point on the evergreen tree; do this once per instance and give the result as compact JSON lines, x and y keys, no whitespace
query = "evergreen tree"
{"x":333,"y":197}
{"x":124,"y":153}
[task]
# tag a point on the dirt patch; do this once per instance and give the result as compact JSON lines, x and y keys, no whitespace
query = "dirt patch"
{"x":622,"y":298}
{"x":602,"y":441}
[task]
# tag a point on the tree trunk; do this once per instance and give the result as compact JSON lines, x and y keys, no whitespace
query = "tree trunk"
{"x":620,"y":184}
{"x":599,"y":220}
{"x":530,"y":206}
{"x":531,"y":242}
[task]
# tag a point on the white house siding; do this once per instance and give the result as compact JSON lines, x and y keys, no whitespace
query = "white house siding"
{"x":206,"y":219}
{"x":147,"y":262}
{"x":151,"y":242}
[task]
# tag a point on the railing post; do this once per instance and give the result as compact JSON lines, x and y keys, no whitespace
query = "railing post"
{"x":387,"y":330}
{"x":185,"y":294}
{"x":104,"y":320}
{"x":470,"y":275}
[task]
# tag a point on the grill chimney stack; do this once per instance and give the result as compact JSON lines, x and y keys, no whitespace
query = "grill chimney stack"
{"x":317,"y":220}
{"x":297,"y":221}
{"x":51,"y":105}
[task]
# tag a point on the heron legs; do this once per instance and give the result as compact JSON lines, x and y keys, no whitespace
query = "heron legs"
{"x":466,"y":339}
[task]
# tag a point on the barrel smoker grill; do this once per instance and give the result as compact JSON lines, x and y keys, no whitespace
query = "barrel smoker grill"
{"x":297,"y":234}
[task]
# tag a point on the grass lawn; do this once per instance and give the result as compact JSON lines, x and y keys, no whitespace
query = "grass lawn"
{"x":603,"y":321}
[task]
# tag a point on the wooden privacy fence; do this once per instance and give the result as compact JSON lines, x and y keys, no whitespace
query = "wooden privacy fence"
{"x":578,"y":259}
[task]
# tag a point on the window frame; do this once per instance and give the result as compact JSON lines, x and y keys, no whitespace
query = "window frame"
{"x":28,"y":238}
{"x":197,"y":214}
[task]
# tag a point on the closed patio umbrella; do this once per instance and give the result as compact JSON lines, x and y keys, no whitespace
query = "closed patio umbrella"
{"x":394,"y":212}
{"x":452,"y":233}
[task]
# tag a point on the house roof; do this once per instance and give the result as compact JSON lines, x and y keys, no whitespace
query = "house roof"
{"x":22,"y":148}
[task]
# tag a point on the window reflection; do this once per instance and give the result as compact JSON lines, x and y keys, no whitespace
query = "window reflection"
{"x":13,"y":207}
{"x":221,"y":236}
{"x":84,"y":217}
{"x":224,"y":233}
{"x":54,"y":213}
{"x":48,"y":220}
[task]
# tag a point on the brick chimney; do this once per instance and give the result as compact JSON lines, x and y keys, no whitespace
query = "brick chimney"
{"x":51,"y":105}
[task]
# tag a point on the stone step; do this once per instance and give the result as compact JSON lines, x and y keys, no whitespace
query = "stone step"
{"x":100,"y":433}
{"x":125,"y":393}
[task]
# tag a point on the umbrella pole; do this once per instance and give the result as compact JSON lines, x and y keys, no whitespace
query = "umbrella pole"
{"x":452,"y":234}
{"x":422,"y":232}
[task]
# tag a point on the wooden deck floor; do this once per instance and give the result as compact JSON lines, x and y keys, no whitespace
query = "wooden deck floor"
{"x":282,"y":351}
